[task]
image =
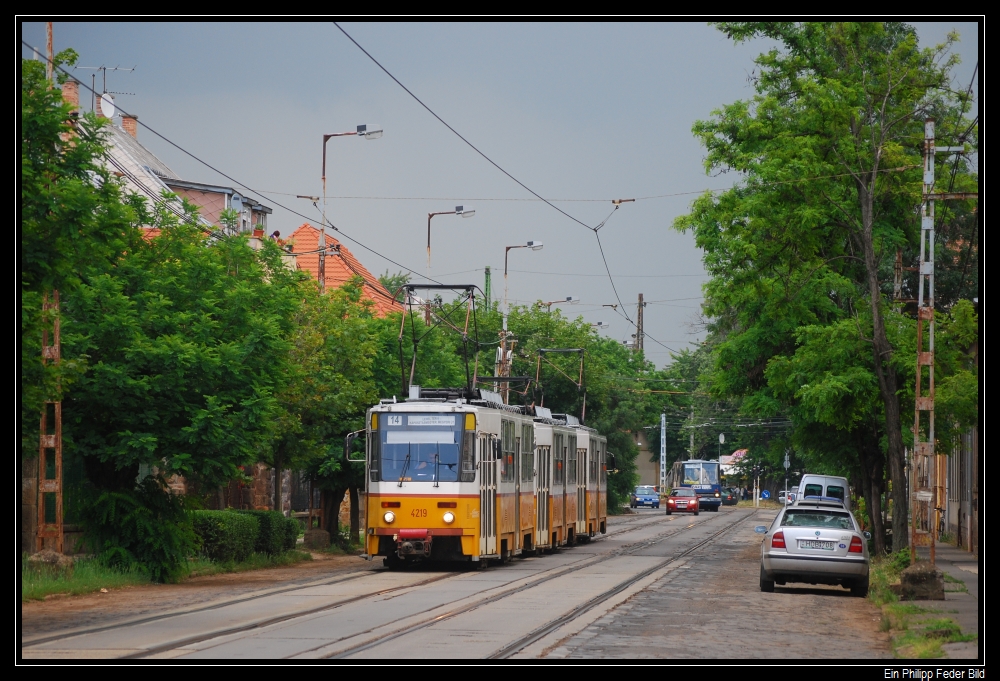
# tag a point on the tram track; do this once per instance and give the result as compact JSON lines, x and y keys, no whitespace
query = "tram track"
{"x":622,"y":551}
{"x":634,"y":525}
{"x":539,"y":633}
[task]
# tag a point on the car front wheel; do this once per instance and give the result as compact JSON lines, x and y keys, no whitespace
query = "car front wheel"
{"x":668,"y":511}
{"x":766,"y":585}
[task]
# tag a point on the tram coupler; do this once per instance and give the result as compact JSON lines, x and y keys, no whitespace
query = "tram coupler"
{"x":415,"y":543}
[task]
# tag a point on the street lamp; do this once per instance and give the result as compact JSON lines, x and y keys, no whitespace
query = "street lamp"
{"x":503,"y":365}
{"x":533,"y":245}
{"x":369,"y":132}
{"x":464,"y":211}
{"x":600,"y":325}
{"x":568,"y":300}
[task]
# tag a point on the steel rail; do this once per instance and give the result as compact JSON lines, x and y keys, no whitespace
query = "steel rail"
{"x":513,"y":648}
{"x":625,"y":550}
{"x":237,"y":601}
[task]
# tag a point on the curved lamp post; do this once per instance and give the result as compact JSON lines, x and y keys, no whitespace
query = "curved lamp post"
{"x":369,"y":132}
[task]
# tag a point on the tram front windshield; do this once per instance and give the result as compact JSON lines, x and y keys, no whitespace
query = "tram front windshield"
{"x":697,"y":474}
{"x":420,"y":447}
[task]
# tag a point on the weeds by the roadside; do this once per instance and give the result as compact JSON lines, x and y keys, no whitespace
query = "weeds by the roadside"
{"x":925,"y":641}
{"x":85,"y":576}
{"x":257,"y":561}
{"x":768,"y":504}
{"x":882,"y":573}
{"x":914,"y":636}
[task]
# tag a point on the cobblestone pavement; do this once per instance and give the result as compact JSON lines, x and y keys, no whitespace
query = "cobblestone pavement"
{"x":712,"y":607}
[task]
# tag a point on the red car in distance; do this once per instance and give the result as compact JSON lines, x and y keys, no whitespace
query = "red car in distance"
{"x":682,"y":500}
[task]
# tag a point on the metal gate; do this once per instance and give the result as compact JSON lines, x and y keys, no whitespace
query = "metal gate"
{"x":544,"y":462}
{"x":487,"y":496}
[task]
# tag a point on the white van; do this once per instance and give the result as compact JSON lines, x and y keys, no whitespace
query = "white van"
{"x":829,"y":486}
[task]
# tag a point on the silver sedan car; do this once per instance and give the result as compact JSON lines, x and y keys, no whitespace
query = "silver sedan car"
{"x":814,"y":543}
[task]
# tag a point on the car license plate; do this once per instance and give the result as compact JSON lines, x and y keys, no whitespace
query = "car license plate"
{"x":682,"y":503}
{"x":815,"y":544}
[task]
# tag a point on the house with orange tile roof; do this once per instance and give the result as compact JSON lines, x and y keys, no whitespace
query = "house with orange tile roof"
{"x":340,"y":267}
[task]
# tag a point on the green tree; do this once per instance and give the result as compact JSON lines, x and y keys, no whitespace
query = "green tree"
{"x":73,"y":220}
{"x":830,"y":150}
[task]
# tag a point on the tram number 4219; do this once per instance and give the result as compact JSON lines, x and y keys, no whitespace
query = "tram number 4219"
{"x":419,"y":513}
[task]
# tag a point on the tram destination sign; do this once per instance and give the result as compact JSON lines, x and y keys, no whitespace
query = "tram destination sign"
{"x":431,"y":420}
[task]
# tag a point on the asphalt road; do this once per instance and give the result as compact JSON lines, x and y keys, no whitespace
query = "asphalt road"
{"x":656,"y":586}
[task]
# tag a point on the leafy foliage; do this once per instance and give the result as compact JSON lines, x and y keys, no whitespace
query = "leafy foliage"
{"x":145,"y":526}
{"x":272,"y":531}
{"x":801,"y":251}
{"x":226,"y":536}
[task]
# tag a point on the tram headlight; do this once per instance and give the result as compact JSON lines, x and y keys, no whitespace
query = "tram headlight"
{"x":448,"y":517}
{"x":389,"y":516}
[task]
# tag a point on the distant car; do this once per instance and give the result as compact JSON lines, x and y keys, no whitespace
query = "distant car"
{"x":729,"y":496}
{"x":645,"y":495}
{"x":782,"y":497}
{"x":814,"y":542}
{"x":683,"y":500}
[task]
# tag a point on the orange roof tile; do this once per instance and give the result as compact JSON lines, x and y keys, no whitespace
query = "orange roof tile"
{"x":340,"y":269}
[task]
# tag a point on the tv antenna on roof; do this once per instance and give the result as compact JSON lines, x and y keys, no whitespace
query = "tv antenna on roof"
{"x":104,"y":87}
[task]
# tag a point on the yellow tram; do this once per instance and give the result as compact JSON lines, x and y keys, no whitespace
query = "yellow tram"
{"x":455,"y":479}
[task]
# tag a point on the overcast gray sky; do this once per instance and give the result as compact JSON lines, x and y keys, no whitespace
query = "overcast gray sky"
{"x":583,"y":111}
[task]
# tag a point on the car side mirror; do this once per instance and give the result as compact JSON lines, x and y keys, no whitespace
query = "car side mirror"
{"x":868,"y":535}
{"x":760,"y":529}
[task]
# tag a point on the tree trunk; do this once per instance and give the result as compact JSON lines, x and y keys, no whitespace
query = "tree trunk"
{"x":355,"y":514}
{"x":277,"y":481}
{"x":887,"y":383}
{"x":872,"y":473}
{"x":331,"y":511}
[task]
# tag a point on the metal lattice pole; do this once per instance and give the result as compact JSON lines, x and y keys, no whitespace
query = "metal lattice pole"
{"x":928,"y":467}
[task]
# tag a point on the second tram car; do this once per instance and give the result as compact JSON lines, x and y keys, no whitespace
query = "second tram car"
{"x":470,"y":480}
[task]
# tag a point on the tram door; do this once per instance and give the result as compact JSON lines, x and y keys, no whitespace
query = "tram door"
{"x":488,"y":449}
{"x":517,"y":496}
{"x":581,"y":491}
{"x":543,"y":461}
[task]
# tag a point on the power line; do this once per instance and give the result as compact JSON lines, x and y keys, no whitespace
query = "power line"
{"x":457,"y":134}
{"x":251,"y":189}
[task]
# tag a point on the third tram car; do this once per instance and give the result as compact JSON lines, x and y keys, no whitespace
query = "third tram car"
{"x":471,"y":480}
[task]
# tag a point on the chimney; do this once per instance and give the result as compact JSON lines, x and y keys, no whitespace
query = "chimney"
{"x":130,"y":124}
{"x":71,"y":93}
{"x":97,"y":107}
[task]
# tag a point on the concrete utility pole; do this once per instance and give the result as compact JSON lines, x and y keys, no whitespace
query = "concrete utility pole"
{"x":638,"y":326}
{"x":50,"y":498}
{"x":486,"y":288}
{"x":663,"y":451}
{"x":929,"y":469}
{"x":49,"y":66}
{"x":691,"y":446}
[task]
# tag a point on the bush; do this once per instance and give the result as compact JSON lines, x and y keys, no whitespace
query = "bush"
{"x":292,"y":527}
{"x":226,"y":536}
{"x":145,"y":528}
{"x":273,"y":528}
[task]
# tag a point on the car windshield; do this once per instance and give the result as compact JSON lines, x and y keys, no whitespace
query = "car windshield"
{"x":645,"y":490}
{"x":682,"y":493}
{"x":809,"y":518}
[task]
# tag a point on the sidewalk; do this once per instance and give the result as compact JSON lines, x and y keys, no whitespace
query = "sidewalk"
{"x":959,"y":605}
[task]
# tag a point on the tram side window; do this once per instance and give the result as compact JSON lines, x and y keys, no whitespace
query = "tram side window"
{"x":558,"y":460}
{"x":604,"y":464}
{"x":592,"y":463}
{"x":527,"y":453}
{"x":507,"y":471}
{"x":572,"y":457}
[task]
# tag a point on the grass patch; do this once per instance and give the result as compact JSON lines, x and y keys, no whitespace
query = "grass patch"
{"x":257,"y":561}
{"x":764,"y":503}
{"x":85,"y":576}
{"x":925,"y":641}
